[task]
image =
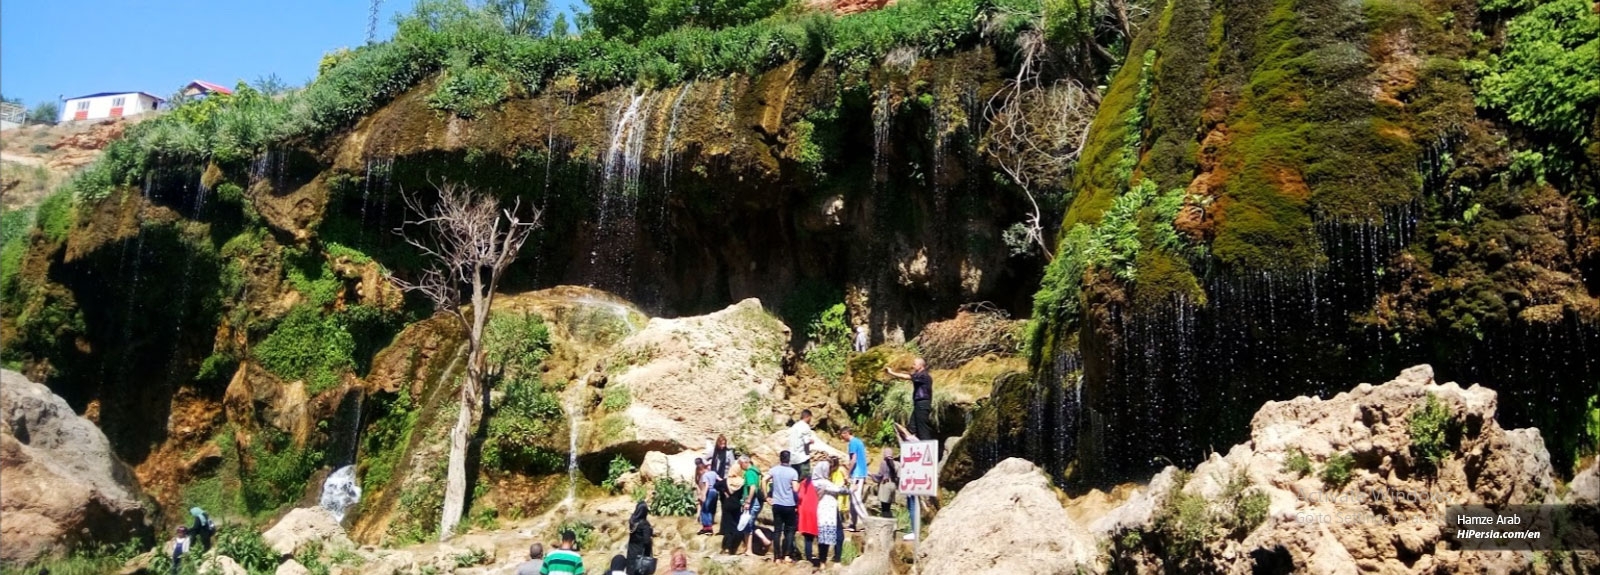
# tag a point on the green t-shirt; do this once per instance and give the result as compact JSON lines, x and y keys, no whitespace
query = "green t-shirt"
{"x":563,"y":562}
{"x":752,"y":482}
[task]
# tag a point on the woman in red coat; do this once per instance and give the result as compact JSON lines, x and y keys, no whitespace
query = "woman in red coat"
{"x":808,"y":514}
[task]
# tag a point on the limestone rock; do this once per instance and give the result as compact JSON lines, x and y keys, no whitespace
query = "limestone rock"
{"x":874,"y":557}
{"x":303,"y":526}
{"x":689,"y":379}
{"x":1009,"y":521}
{"x":654,"y":465}
{"x":292,"y":567}
{"x":1585,"y":487}
{"x":63,"y":486}
{"x":225,"y":565}
{"x":1386,"y":518}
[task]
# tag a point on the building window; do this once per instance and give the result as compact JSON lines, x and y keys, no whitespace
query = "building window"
{"x":83,"y":105}
{"x":117,"y":102}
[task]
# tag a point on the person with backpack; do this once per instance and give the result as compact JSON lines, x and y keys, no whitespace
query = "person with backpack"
{"x":202,"y":529}
{"x":888,"y":478}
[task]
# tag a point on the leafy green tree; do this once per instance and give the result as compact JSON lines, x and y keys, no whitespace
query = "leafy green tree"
{"x":558,"y":28}
{"x":44,"y":113}
{"x":270,"y":85}
{"x":636,"y":19}
{"x":10,"y":100}
{"x":520,"y":17}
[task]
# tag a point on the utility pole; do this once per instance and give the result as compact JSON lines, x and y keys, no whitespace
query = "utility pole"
{"x":372,"y":22}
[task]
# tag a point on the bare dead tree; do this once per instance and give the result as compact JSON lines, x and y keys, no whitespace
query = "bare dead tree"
{"x":471,"y":241}
{"x":1039,"y":119}
{"x":1037,"y":131}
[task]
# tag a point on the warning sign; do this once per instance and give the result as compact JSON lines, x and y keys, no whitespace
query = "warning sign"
{"x":919,"y":468}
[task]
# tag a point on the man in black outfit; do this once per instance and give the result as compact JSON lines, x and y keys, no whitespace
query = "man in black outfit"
{"x":921,"y":397}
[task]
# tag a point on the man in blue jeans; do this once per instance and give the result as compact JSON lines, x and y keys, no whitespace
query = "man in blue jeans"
{"x":781,"y":482}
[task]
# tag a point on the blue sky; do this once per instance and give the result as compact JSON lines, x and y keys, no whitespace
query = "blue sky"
{"x":50,"y":48}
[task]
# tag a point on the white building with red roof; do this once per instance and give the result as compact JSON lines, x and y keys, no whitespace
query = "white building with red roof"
{"x":202,"y":88}
{"x":106,"y":105}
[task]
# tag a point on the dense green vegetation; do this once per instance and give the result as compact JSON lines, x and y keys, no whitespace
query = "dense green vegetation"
{"x":1545,"y":78}
{"x":529,"y":415}
{"x":829,"y":337}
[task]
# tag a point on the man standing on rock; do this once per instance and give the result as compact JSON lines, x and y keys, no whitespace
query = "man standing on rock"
{"x":921,"y":397}
{"x":800,"y":439}
{"x":180,"y":548}
{"x":781,"y":483}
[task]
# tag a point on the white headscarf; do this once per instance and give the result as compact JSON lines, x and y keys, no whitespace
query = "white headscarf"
{"x":819,"y":471}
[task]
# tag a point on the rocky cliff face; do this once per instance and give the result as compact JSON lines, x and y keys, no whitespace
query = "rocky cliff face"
{"x":63,"y":486}
{"x":1350,"y":484}
{"x":1306,"y":192}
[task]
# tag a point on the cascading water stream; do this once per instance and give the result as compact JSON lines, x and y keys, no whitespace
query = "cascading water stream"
{"x":340,"y":492}
{"x":667,"y":153}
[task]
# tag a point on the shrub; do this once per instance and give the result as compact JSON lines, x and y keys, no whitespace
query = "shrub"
{"x":672,"y":498}
{"x":310,"y":346}
{"x":278,"y":471}
{"x":1544,"y":77}
{"x":1431,"y":426}
{"x":619,"y":467}
{"x":55,"y":215}
{"x":1336,"y":472}
{"x":582,"y":529}
{"x":616,"y":398}
{"x":521,"y":426}
{"x":516,"y":343}
{"x":1297,"y":462}
{"x":829,"y":334}
{"x":245,"y":545}
{"x":1247,"y":505}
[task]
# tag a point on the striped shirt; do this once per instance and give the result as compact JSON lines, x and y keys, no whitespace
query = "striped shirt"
{"x":562,"y":561}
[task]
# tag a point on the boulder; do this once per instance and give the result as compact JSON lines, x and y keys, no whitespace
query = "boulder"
{"x":303,"y":526}
{"x":874,"y":557}
{"x":222,"y":565}
{"x":655,"y":465}
{"x":1008,"y":521}
{"x":292,"y":567}
{"x":1385,"y":519}
{"x":1585,"y":486}
{"x":63,"y":485}
{"x":686,"y":380}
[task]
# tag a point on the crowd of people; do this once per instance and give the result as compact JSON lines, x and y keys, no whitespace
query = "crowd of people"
{"x":814,"y":498}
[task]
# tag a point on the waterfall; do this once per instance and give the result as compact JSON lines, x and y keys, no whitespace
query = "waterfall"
{"x":667,"y":154}
{"x":355,"y":425}
{"x":340,"y":492}
{"x":881,"y":116}
{"x":572,"y":449}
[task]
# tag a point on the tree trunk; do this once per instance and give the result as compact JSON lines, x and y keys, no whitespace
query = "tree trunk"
{"x":455,"y":487}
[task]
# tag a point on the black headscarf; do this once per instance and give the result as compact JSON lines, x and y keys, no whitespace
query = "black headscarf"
{"x":641,"y":514}
{"x":640,"y":533}
{"x":618,"y":563}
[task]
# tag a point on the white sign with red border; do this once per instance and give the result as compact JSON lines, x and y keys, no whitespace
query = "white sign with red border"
{"x":919,"y":468}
